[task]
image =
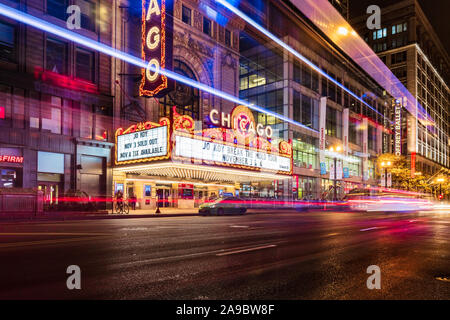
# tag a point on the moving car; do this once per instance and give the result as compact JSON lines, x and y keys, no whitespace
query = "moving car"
{"x":386,"y":200}
{"x":221,"y":206}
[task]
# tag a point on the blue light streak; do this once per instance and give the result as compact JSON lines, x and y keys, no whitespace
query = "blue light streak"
{"x":271,"y":36}
{"x":84,"y":41}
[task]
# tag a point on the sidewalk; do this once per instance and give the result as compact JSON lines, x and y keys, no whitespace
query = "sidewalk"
{"x":62,"y":216}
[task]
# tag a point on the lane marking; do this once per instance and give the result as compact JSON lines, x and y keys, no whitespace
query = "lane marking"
{"x":52,"y":234}
{"x":236,"y":226}
{"x":372,"y":228}
{"x":246,"y":250}
{"x":46,"y":242}
{"x":332,"y":234}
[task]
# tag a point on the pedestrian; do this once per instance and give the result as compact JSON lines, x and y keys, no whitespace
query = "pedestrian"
{"x":133,"y":200}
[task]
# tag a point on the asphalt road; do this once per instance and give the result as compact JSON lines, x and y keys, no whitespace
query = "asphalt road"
{"x":275,"y":255}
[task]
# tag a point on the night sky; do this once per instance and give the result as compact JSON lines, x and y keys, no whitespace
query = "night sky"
{"x":437,"y":12}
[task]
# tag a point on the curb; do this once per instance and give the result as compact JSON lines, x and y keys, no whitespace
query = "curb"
{"x":93,"y":217}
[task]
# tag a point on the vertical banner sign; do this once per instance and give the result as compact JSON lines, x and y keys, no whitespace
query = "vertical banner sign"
{"x":389,"y":180}
{"x":398,"y":129}
{"x":345,"y":130}
{"x":413,"y":164}
{"x":332,"y":177}
{"x":345,"y":115}
{"x":338,"y":170}
{"x":383,"y":180}
{"x":365,"y":150}
{"x":379,"y":139}
{"x":346,"y":172}
{"x":322,"y":115}
{"x":157,"y":46}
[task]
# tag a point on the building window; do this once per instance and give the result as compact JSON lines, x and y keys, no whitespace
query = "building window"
{"x":84,"y":68}
{"x":227,"y":37}
{"x":51,"y":114}
{"x":185,"y":98}
{"x":398,"y":57}
{"x":7,"y":42}
{"x":186,"y":15}
{"x":103,"y":116}
{"x":304,"y":151}
{"x":207,"y":26}
{"x":333,"y":126}
{"x":87,"y":9}
{"x":379,"y":34}
{"x":57,"y":8}
{"x":56,"y":56}
{"x":86,"y":121}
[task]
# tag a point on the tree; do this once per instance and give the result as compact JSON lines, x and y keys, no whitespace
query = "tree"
{"x":401,"y":174}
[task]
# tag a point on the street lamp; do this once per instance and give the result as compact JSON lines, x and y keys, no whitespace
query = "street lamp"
{"x":385,"y":165}
{"x":333,"y":149}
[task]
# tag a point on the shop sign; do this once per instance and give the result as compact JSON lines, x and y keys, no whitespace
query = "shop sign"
{"x":142,"y":142}
{"x":210,"y":152}
{"x":242,"y":121}
{"x":157,"y":43}
{"x":11,"y":159}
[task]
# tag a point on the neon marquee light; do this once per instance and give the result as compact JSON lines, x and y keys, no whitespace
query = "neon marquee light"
{"x":157,"y":20}
{"x":11,"y":159}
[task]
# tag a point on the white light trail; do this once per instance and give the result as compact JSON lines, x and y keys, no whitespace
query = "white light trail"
{"x":84,"y":41}
{"x":290,"y":49}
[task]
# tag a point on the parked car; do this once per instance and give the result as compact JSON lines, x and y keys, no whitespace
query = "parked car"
{"x":221,"y":206}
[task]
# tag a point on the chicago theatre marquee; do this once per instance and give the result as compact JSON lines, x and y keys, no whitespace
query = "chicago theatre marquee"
{"x":173,"y":162}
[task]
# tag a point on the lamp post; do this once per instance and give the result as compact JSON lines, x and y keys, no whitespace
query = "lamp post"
{"x":385,"y":166}
{"x":332,"y":149}
{"x":440,"y":180}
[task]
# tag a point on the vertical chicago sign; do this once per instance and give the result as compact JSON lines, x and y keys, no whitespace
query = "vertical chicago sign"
{"x":157,"y":42}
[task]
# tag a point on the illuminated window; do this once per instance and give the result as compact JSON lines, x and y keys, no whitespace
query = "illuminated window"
{"x":7,"y":42}
{"x":394,"y":30}
{"x":379,"y":34}
{"x":186,"y":15}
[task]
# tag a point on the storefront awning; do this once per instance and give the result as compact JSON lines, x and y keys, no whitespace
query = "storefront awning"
{"x":199,"y":172}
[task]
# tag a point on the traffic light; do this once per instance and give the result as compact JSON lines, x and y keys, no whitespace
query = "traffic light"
{"x":441,"y":196}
